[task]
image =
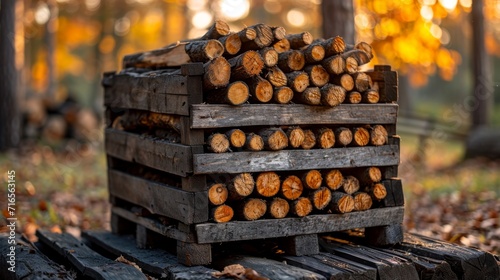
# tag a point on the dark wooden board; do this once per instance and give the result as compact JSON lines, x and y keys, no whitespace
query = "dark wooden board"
{"x":285,"y":160}
{"x":85,"y":260}
{"x":388,"y":82}
{"x":218,"y":116}
{"x":158,"y":198}
{"x":270,"y":228}
{"x":153,"y":261}
{"x":155,"y":102}
{"x":269,"y":268}
{"x":162,"y":155}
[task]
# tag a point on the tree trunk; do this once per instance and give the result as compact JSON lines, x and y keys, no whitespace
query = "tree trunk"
{"x":338,"y":19}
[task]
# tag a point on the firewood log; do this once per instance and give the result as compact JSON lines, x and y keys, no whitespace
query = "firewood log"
{"x":368,"y":175}
{"x":231,"y":43}
{"x":218,"y":143}
{"x":318,"y":76}
{"x":247,"y":34}
{"x":343,"y":136}
{"x":270,"y":56}
{"x":309,"y":140}
{"x":312,"y":179}
{"x":292,"y":60}
{"x":360,"y":137}
{"x":363,"y":46}
{"x":360,"y":56}
{"x":370,"y":96}
{"x":351,"y":64}
{"x":332,"y":95}
{"x":267,"y":184}
{"x":133,"y":119}
{"x":241,"y":186}
{"x":117,"y":123}
{"x":246,"y":65}
{"x":341,"y":203}
{"x":353,"y":97}
{"x":236,"y":93}
{"x":334,"y":179}
{"x":291,"y":188}
{"x":334,"y":45}
{"x":298,"y":81}
{"x":376,"y":191}
{"x":217,"y":73}
{"x":252,"y":209}
{"x":218,"y":29}
{"x":344,"y":80}
{"x":283,"y":95}
{"x":261,"y":89}
{"x":275,"y":76}
{"x":350,"y":185}
{"x":362,"y":201}
{"x":310,"y":96}
{"x":263,"y":38}
{"x":299,"y":40}
{"x":274,"y":138}
{"x":282,"y":45}
{"x":278,"y":208}
{"x":335,"y":65}
{"x":217,"y":194}
{"x":362,"y":81}
{"x":325,"y":138}
{"x":279,"y":33}
{"x":254,"y":142}
{"x":320,"y":198}
{"x":314,"y":53}
{"x":378,"y":135}
{"x":222,"y":214}
{"x":301,"y":207}
{"x":295,"y":136}
{"x":236,"y":137}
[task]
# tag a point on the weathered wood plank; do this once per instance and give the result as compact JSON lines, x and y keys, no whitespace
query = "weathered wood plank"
{"x":155,"y":102}
{"x":155,"y":153}
{"x":243,"y":230}
{"x":217,"y":116}
{"x":386,"y":155}
{"x":301,"y":245}
{"x":153,"y":261}
{"x":387,"y":81}
{"x":86,"y":261}
{"x":182,"y":205}
{"x":269,"y":268}
{"x":192,"y":254}
{"x":384,"y":235}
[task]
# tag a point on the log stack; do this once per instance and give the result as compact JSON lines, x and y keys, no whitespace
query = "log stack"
{"x":253,"y":128}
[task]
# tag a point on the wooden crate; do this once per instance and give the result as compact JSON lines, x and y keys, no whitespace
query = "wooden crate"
{"x":186,"y":203}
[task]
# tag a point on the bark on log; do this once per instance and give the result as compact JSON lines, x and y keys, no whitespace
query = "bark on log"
{"x":318,"y":76}
{"x":295,"y":136}
{"x":252,"y":209}
{"x":363,"y":46}
{"x":360,"y":137}
{"x":351,"y":65}
{"x":278,"y":208}
{"x":270,"y":56}
{"x":133,"y":119}
{"x":360,"y":56}
{"x":263,"y":38}
{"x":217,"y":73}
{"x":312,"y":179}
{"x":275,"y":76}
{"x":254,"y":142}
{"x":378,"y":135}
{"x":370,"y":96}
{"x":369,"y":175}
{"x":247,"y":34}
{"x":236,"y":93}
{"x":246,"y":65}
{"x":222,"y":213}
{"x":334,"y":45}
{"x":345,"y":80}
{"x":218,"y":29}
{"x":217,"y":194}
{"x":376,"y":191}
{"x":362,"y":81}
{"x":341,"y":203}
{"x":309,"y":140}
{"x":279,"y":33}
{"x":320,"y":198}
{"x":292,"y":60}
{"x":334,"y":179}
{"x":335,"y":65}
{"x":261,"y":89}
{"x":362,"y":201}
{"x":236,"y":137}
{"x":299,"y":40}
{"x":298,"y":81}
{"x":292,"y":187}
{"x":350,"y":185}
{"x":343,"y":136}
{"x":353,"y":97}
{"x":282,"y":46}
{"x":301,"y":207}
{"x":283,"y":95}
{"x":267,"y":184}
{"x":274,"y":138}
{"x":241,"y":185}
{"x":231,"y":43}
{"x":203,"y":51}
{"x":332,"y":95}
{"x":314,"y":53}
{"x":325,"y":138}
{"x":310,"y":96}
{"x":218,"y":143}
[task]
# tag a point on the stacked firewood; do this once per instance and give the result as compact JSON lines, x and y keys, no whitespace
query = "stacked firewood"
{"x":267,"y":194}
{"x":263,"y":64}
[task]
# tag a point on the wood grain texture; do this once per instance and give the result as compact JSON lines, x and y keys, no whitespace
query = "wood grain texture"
{"x":387,"y":81}
{"x":216,"y":116}
{"x":241,"y":230}
{"x":285,"y":160}
{"x":182,"y":205}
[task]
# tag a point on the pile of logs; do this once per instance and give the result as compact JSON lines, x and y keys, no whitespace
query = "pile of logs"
{"x":263,"y":64}
{"x":270,"y":195}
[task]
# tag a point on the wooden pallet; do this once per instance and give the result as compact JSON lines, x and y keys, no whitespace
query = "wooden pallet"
{"x":61,"y":256}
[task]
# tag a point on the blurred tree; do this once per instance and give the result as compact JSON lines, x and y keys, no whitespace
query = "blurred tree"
{"x":338,"y":19}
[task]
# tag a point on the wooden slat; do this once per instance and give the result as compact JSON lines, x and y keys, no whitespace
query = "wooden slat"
{"x":138,"y":84}
{"x":243,"y":230}
{"x":386,"y":155}
{"x":155,"y":102}
{"x":217,"y":116}
{"x":155,"y":153}
{"x":157,"y":262}
{"x":159,"y":198}
{"x":86,"y":261}
{"x":388,"y":82}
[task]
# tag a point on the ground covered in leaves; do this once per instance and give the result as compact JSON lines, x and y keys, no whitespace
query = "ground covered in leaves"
{"x":64,"y":189}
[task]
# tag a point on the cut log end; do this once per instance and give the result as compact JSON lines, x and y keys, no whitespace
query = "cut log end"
{"x":314,"y":53}
{"x":312,"y":179}
{"x":298,"y":81}
{"x":371,"y":96}
{"x":237,"y":137}
{"x":310,"y":96}
{"x":254,"y":142}
{"x":236,"y":93}
{"x":292,"y":60}
{"x":295,"y":136}
{"x":218,"y":143}
{"x":350,"y":185}
{"x":241,"y":185}
{"x":218,"y":29}
{"x":254,"y":209}
{"x":299,"y":40}
{"x":318,"y":76}
{"x":360,"y":136}
{"x":335,"y":65}
{"x":270,"y":56}
{"x":343,"y":136}
{"x":370,"y":175}
{"x":222,"y":214}
{"x":377,"y":191}
{"x":283,"y":95}
{"x":362,"y":81}
{"x":275,"y":139}
{"x":246,"y":65}
{"x":378,"y":135}
{"x":334,"y":179}
{"x":278,"y":208}
{"x":276,"y":77}
{"x":309,"y":140}
{"x":261,"y":89}
{"x":217,"y":194}
{"x":362,"y":201}
{"x":279,"y":32}
{"x":325,"y":138}
{"x":292,"y":187}
{"x":301,"y":207}
{"x":321,"y":198}
{"x":341,"y":203}
{"x":203,"y":51}
{"x":353,"y":97}
{"x":267,"y":184}
{"x":332,"y":95}
{"x":217,"y":73}
{"x":231,"y":43}
{"x":282,"y":46}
